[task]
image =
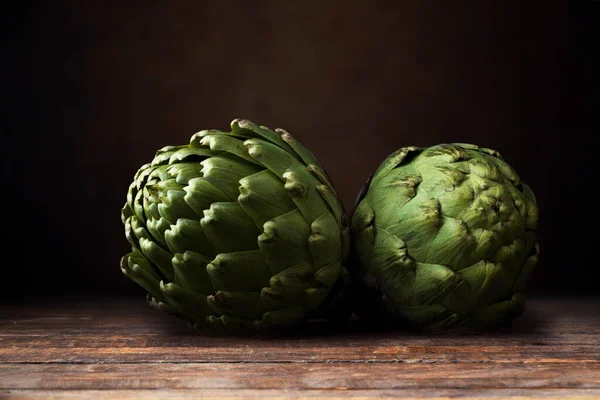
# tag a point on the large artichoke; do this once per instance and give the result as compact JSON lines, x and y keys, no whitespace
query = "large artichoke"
{"x":237,"y":232}
{"x":445,"y":236}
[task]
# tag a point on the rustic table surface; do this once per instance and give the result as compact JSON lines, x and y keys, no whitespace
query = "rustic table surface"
{"x":123,"y":349}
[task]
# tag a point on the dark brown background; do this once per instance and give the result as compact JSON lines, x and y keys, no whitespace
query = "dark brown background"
{"x":93,"y":88}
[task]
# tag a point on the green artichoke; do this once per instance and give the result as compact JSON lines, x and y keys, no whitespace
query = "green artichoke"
{"x":238,"y":232}
{"x":444,"y":236}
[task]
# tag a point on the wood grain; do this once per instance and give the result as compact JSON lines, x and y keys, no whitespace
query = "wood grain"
{"x":230,"y":394}
{"x":122,"y":349}
{"x":298,"y":376}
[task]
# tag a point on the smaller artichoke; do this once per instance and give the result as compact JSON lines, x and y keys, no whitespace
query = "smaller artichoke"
{"x":237,"y":232}
{"x":445,"y":236}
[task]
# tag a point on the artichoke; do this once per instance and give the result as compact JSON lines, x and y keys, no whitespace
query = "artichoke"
{"x":238,"y":232}
{"x":444,"y":236}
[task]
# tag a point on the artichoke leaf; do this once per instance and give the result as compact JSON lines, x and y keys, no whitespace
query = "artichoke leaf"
{"x":225,"y":171}
{"x":134,"y":231}
{"x":173,"y":206}
{"x":334,"y":204}
{"x":157,"y":229}
{"x":158,"y":256}
{"x":453,"y":246}
{"x":187,"y":234}
{"x":419,"y":283}
{"x":200,"y":194}
{"x":193,"y":306}
{"x":163,"y":155}
{"x":263,"y":197}
{"x":496,"y":313}
{"x":240,"y":304}
{"x":324,"y":242}
{"x":185,"y":154}
{"x":239,"y":272}
{"x":328,"y":274}
{"x":272,"y":157}
{"x":487,"y":282}
{"x":401,"y":157}
{"x":223,"y":221}
{"x":301,"y":186}
{"x":126,"y":213}
{"x":196,"y":139}
{"x":423,"y":315}
{"x":184,"y":172}
{"x":190,"y":272}
{"x":524,"y":276}
{"x":418,"y":223}
{"x":388,"y":250}
{"x":292,"y":279}
{"x":229,"y":325}
{"x":262,"y":132}
{"x":284,"y":241}
{"x":229,"y":144}
{"x":138,"y":269}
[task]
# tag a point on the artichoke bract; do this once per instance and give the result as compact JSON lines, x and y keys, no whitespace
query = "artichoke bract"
{"x":445,"y":236}
{"x":237,"y":232}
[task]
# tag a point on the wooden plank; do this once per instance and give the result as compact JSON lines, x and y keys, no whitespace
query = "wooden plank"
{"x":334,"y":354}
{"x":86,"y":338}
{"x":131,"y":332}
{"x":406,"y":394}
{"x":133,"y":324}
{"x":126,"y":350}
{"x":278,"y":376}
{"x":151,"y":328}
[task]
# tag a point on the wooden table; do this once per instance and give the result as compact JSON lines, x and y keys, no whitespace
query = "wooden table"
{"x":123,"y":349}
